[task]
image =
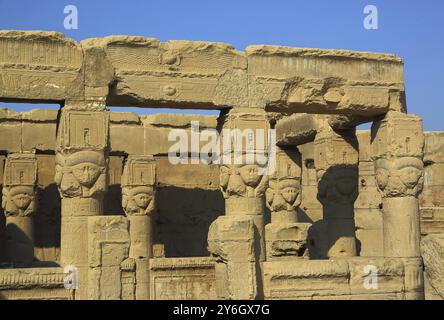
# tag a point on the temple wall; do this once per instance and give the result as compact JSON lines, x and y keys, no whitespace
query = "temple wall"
{"x":93,"y":190}
{"x":181,"y":225}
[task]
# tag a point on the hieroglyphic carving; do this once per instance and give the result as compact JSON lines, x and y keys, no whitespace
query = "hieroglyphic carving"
{"x":83,"y":130}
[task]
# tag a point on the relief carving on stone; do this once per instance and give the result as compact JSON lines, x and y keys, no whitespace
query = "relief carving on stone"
{"x":81,"y":174}
{"x":242,"y":180}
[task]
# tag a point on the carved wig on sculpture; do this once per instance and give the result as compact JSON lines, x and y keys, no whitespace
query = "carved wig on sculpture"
{"x":81,"y":174}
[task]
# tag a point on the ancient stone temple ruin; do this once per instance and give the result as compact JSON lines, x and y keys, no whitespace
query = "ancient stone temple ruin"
{"x":94,"y":208}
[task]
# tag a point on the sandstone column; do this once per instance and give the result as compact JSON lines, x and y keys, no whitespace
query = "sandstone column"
{"x":397,"y":147}
{"x":336,"y":162}
{"x":81,"y":175}
{"x":237,"y":239}
{"x":285,"y":237}
{"x":18,"y":203}
{"x":138,"y":185}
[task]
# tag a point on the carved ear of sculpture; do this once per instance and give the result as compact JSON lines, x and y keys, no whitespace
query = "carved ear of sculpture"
{"x":31,"y":208}
{"x":262,"y":186}
{"x":224,"y":177}
{"x":4,"y":198}
{"x":101,"y":185}
{"x":124,"y":198}
{"x":150,"y":209}
{"x":382,"y":174}
{"x":298,"y":200}
{"x":269,"y":195}
{"x":69,"y":186}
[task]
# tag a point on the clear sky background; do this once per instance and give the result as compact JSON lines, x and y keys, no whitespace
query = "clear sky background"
{"x":411,"y":29}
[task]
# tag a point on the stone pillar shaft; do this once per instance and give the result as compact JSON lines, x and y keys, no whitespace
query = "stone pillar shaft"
{"x":397,"y":148}
{"x":336,"y":161}
{"x":18,"y":203}
{"x":237,"y":239}
{"x":81,"y":176}
{"x":138,"y":202}
{"x":285,"y":237}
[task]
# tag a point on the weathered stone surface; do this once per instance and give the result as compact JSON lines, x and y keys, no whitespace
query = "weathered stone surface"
{"x":296,"y":129}
{"x":40,"y":65}
{"x":313,"y":80}
{"x":432,"y":249}
{"x":134,"y":232}
{"x":134,"y":70}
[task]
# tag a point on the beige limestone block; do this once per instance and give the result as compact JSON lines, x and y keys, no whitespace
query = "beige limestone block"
{"x":40,"y":65}
{"x":191,"y":278}
{"x":434,"y":147}
{"x":38,"y":136}
{"x":370,"y":242}
{"x":414,"y":278}
{"x":432,"y":249}
{"x":142,"y":279}
{"x":33,"y":283}
{"x":312,"y":80}
{"x":434,"y":175}
{"x":296,"y":129}
{"x":364,"y":141}
{"x":188,"y":176}
{"x":369,"y":219}
{"x":376,"y":275}
{"x":305,"y":279}
{"x":11,"y":136}
{"x":432,"y":220}
{"x":343,"y":122}
{"x":397,"y":135}
{"x":108,"y":246}
{"x":232,"y":240}
{"x":432,"y":196}
{"x":20,"y":240}
{"x":126,"y":138}
{"x":286,"y":239}
{"x":185,"y":73}
{"x":335,"y":149}
{"x":74,"y":241}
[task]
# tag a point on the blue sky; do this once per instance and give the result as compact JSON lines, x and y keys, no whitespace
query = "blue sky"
{"x":411,"y":29}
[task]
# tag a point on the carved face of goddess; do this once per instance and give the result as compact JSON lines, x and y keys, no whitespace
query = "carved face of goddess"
{"x":137,"y":200}
{"x":250,"y":175}
{"x":22,"y":200}
{"x":290,"y":194}
{"x":142,"y":200}
{"x":86,"y":173}
{"x":18,"y":200}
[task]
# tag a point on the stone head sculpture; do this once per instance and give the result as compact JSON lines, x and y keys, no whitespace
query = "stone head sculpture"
{"x":138,"y":181}
{"x":81,"y":174}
